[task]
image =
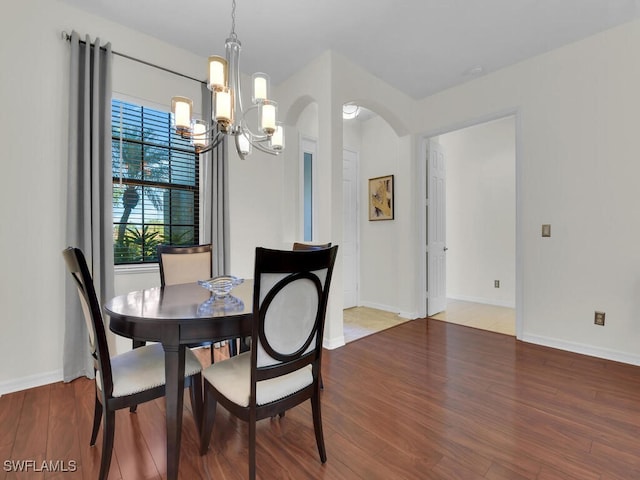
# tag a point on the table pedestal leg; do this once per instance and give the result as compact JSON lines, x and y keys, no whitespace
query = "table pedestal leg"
{"x":174,"y":371}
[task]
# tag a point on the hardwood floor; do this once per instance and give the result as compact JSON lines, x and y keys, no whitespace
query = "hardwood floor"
{"x":362,"y":321}
{"x":421,"y":400}
{"x":479,"y":315}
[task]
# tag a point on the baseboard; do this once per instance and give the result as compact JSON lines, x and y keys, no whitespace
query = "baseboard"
{"x":379,"y":306}
{"x":486,"y":301}
{"x":333,"y":343}
{"x":387,"y":308}
{"x":31,"y":381}
{"x":582,"y":349}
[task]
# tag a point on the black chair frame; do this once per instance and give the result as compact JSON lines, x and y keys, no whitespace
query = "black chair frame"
{"x":296,"y":265}
{"x":105,"y":404}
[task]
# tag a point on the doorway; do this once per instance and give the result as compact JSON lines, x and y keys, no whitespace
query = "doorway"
{"x":480,"y":214}
{"x":351,"y":227}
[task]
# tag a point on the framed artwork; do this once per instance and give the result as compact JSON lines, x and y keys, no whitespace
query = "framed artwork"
{"x":381,"y":198}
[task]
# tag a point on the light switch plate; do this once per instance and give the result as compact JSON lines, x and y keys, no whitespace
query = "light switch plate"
{"x":546,"y":230}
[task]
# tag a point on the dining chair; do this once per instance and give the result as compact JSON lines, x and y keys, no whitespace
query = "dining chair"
{"x":282,"y":369}
{"x":298,"y":246}
{"x":186,"y":264}
{"x":310,"y":246}
{"x":127,"y":379}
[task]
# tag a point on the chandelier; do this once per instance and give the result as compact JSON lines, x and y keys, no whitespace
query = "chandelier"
{"x":228,"y":117}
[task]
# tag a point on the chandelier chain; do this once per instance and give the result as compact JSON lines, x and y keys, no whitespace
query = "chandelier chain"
{"x":233,"y":20}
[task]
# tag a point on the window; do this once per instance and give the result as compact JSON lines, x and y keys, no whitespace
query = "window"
{"x":308,"y":196}
{"x":308,"y":190}
{"x":155,"y":184}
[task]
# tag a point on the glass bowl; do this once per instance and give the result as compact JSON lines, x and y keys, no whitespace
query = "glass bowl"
{"x":222,"y":285}
{"x":224,"y":304}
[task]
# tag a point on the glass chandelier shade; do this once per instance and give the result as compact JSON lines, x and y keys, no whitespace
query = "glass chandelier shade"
{"x":228,"y":115}
{"x":181,"y":108}
{"x":277,"y":139}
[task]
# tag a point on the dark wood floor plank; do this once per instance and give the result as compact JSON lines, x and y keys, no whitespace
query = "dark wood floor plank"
{"x":63,"y":448}
{"x":450,"y":469}
{"x":10,"y":411}
{"x":84,"y":391}
{"x":424,"y":399}
{"x":500,"y":472}
{"x":31,"y":436}
{"x":131,"y":449}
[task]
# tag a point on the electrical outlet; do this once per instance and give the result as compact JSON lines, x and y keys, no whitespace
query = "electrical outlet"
{"x":599,"y":318}
{"x":496,"y":283}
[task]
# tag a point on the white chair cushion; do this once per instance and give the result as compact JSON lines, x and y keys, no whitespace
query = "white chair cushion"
{"x":232,"y":378}
{"x":143,"y":369}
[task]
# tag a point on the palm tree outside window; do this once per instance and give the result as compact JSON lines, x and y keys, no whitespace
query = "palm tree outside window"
{"x":155,"y":184}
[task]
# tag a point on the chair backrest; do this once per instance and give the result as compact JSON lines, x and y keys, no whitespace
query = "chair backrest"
{"x":291,"y":290}
{"x":99,"y":349}
{"x":180,"y":264}
{"x":310,"y":246}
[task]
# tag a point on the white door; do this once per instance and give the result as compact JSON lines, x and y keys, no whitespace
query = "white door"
{"x":349,"y":245}
{"x":436,"y":230}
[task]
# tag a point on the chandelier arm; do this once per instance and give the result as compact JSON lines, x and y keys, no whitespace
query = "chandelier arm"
{"x":264,"y":149}
{"x":250,"y":134}
{"x":201,"y":150}
{"x":190,"y":134}
{"x":215,"y":141}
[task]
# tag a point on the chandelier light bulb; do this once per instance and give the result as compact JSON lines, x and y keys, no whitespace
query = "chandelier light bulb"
{"x":199,"y":134}
{"x":218,"y":75}
{"x":277,"y":139}
{"x":260,"y":87}
{"x":243,"y":144}
{"x":267,"y":116}
{"x":181,"y":108}
{"x":223,"y":107}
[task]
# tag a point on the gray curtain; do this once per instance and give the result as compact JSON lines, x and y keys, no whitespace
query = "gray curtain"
{"x":89,"y":197}
{"x":215,"y":191}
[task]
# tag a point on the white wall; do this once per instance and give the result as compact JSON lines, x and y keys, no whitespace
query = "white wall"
{"x":34,"y":87}
{"x":378,"y":239}
{"x":481,"y":212}
{"x":352,"y":135}
{"x":330,"y":81}
{"x":256,"y":192}
{"x":313,"y":85}
{"x":577,"y":170}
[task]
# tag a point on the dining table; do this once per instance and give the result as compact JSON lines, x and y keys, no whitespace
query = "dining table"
{"x":176,"y":316}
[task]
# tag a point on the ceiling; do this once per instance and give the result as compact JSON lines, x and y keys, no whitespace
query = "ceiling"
{"x":419,"y":46}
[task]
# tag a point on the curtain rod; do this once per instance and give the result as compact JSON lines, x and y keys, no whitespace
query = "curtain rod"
{"x":67,"y":37}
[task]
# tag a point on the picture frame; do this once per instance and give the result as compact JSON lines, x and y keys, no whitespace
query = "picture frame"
{"x":381,"y":193}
